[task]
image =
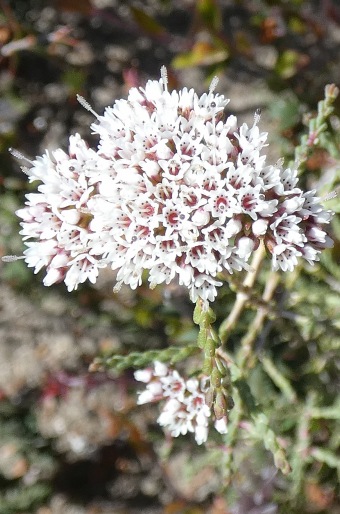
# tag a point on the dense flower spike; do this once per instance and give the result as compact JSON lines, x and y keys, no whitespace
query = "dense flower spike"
{"x":174,"y":188}
{"x":185,"y":408}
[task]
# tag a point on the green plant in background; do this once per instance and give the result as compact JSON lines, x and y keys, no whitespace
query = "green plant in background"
{"x":176,"y":190}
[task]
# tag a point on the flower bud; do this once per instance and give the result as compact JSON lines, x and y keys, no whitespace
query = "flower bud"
{"x":215,"y":378}
{"x":201,"y":217}
{"x":209,"y":348}
{"x":220,"y":405}
{"x":259,"y":227}
{"x":245,"y":247}
{"x":209,"y":396}
{"x":221,"y":366}
{"x":207,"y":367}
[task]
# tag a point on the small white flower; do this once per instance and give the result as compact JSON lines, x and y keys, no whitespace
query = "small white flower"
{"x":287,"y":230}
{"x":285,"y":257}
{"x":288,"y":181}
{"x":201,"y":217}
{"x":173,"y":385}
{"x":293,"y":204}
{"x":250,"y":138}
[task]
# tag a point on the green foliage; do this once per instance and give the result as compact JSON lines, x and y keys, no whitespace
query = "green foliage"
{"x":146,"y":22}
{"x":18,"y":499}
{"x":287,"y":64}
{"x":203,"y":53}
{"x":74,"y":80}
{"x":286,"y":111}
{"x":20,"y":442}
{"x":211,"y":13}
{"x":170,"y":355}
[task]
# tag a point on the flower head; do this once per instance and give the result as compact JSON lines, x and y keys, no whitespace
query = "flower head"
{"x":184,"y":409}
{"x":174,"y":188}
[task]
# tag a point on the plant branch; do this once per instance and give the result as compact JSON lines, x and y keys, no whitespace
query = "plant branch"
{"x":257,"y":324}
{"x":139,"y":359}
{"x":242,"y":297}
{"x":316,"y":127}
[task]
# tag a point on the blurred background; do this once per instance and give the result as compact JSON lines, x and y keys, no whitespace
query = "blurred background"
{"x":72,"y":441}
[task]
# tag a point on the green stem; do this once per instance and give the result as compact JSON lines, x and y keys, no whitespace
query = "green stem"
{"x":242,"y":296}
{"x":139,"y":359}
{"x":247,"y":343}
{"x":279,"y":380}
{"x":231,"y":437}
{"x":301,"y":449}
{"x":217,"y":396}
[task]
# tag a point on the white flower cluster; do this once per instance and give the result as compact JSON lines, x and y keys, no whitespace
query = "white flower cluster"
{"x":174,"y":188}
{"x":185,"y":409}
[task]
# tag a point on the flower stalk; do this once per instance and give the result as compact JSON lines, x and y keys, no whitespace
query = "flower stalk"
{"x":245,"y":354}
{"x":242,"y":296}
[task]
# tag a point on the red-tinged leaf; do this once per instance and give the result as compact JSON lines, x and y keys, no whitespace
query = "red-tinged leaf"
{"x":147,"y":23}
{"x":269,"y":30}
{"x":180,"y":507}
{"x":321,"y":498}
{"x":219,"y":506}
{"x":318,"y":160}
{"x":83,"y":7}
{"x":5,"y":34}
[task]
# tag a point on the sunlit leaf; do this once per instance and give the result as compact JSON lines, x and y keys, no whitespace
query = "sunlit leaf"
{"x":287,"y":64}
{"x":202,"y":54}
{"x":297,"y":25}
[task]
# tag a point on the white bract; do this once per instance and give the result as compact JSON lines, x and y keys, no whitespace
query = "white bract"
{"x":174,"y":188}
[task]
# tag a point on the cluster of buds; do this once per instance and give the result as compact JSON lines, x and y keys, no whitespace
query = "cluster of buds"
{"x":218,"y":385}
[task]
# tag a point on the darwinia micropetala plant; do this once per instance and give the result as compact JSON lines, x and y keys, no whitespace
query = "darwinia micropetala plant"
{"x":180,"y":191}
